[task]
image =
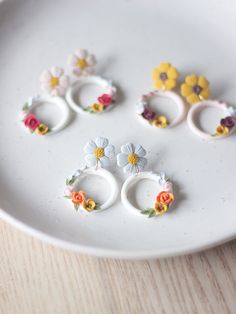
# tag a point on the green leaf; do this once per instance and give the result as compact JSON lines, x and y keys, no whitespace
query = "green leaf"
{"x":145,"y":211}
{"x":25,"y":107}
{"x":67,"y":196}
{"x":76,"y":206}
{"x":152,"y":214}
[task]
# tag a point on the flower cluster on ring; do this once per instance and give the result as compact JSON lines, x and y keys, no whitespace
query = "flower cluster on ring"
{"x":226,"y":124}
{"x":163,"y":201}
{"x":165,"y":76}
{"x":195,"y":88}
{"x":32,"y":123}
{"x":149,"y":115}
{"x":78,"y":198}
{"x":131,"y":158}
{"x":103,"y":102}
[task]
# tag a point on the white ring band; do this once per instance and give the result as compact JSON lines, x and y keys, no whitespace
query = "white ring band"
{"x":195,"y":109}
{"x":130,"y":181}
{"x":60,"y":102}
{"x":182,"y":110}
{"x":74,"y":89}
{"x":108,"y":176}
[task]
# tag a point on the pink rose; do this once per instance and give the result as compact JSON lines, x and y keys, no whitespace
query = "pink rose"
{"x":105,"y":99}
{"x":31,"y":122}
{"x":168,"y":187}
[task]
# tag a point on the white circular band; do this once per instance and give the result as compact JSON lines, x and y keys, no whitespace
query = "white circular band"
{"x":195,"y":109}
{"x":130,"y":181}
{"x":182,"y":109}
{"x":108,"y":176}
{"x":75,"y":88}
{"x":58,"y":101}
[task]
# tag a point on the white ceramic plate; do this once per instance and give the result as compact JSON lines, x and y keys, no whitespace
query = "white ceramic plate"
{"x":129,"y":39}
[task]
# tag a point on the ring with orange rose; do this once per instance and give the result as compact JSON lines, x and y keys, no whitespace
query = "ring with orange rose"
{"x":34,"y":124}
{"x":224,"y":128}
{"x":82,"y":199}
{"x":102,"y":103}
{"x":161,"y":202}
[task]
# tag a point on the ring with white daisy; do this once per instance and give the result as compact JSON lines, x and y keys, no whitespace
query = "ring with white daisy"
{"x":131,"y":158}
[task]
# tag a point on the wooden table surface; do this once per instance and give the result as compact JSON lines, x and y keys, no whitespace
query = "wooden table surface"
{"x":38,"y":278}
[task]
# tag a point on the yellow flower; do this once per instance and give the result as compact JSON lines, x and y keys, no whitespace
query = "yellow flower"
{"x":89,"y":205}
{"x":195,"y":88}
{"x":160,"y":208}
{"x":165,"y":76}
{"x":97,"y":107}
{"x":222,"y":130}
{"x":160,"y":122}
{"x":42,"y":129}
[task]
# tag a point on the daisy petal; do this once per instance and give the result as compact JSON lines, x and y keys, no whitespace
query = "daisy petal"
{"x":142,"y":163}
{"x":191,"y":79}
{"x":172,"y":73}
{"x":169,"y":84}
{"x":109,"y":151}
{"x":64,"y":81}
{"x":164,"y":67}
{"x":77,"y":71}
{"x":72,"y":60}
{"x":56,"y":71}
{"x":105,"y":161}
{"x":155,"y":74}
{"x":158,"y":84}
{"x":45,"y":76}
{"x":203,"y":82}
{"x":90,"y":147}
{"x":130,"y":169}
{"x":205,"y":93}
{"x":186,"y":90}
{"x":60,"y":91}
{"x":122,"y":160}
{"x":192,"y":99}
{"x":101,"y":142}
{"x":91,"y":60}
{"x":140,"y":151}
{"x":81,"y":53}
{"x":127,"y":148}
{"x":88,"y":70}
{"x":91,"y":160}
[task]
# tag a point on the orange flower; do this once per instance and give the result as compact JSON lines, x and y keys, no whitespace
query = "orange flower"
{"x":78,"y":197}
{"x":165,"y":198}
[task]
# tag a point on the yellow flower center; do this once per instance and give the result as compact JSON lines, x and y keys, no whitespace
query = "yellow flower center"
{"x":54,"y":81}
{"x":99,"y":152}
{"x":133,"y":159}
{"x":82,"y":63}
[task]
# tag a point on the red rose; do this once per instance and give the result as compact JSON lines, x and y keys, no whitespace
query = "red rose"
{"x":105,"y":99}
{"x":31,"y":122}
{"x":165,"y":198}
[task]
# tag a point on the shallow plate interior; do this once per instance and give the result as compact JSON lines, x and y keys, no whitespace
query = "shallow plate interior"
{"x":129,"y":39}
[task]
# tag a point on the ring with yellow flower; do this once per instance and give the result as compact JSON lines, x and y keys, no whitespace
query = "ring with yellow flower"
{"x":104,"y":102}
{"x":195,"y":89}
{"x":160,"y":121}
{"x":226,"y":126}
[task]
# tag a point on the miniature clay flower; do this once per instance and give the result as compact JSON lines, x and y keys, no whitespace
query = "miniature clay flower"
{"x":89,"y":205}
{"x":54,"y":82}
{"x":82,"y":62}
{"x":222,"y":130}
{"x":31,"y":122}
{"x":232,"y":111}
{"x":42,"y":129}
{"x":78,"y":197}
{"x":165,"y":76}
{"x":160,"y":122}
{"x":160,"y":208}
{"x":99,"y":151}
{"x":195,"y":88}
{"x":228,"y":122}
{"x":148,"y":114}
{"x":168,"y":186}
{"x":105,"y":99}
{"x":140,"y":107}
{"x":165,"y":198}
{"x":68,"y":190}
{"x":97,"y":107}
{"x":132,"y":158}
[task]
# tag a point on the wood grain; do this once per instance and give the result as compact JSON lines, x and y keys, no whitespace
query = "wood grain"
{"x":38,"y":278}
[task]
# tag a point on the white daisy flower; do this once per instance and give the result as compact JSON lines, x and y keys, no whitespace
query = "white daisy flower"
{"x":232,"y":111}
{"x":132,"y":158}
{"x":99,"y":151}
{"x":54,"y":81}
{"x":140,"y":106}
{"x":82,"y":62}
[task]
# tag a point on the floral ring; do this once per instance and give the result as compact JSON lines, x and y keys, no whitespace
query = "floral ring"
{"x":103,"y":102}
{"x":34,"y":124}
{"x":163,"y":201}
{"x":156,"y":120}
{"x":79,"y":198}
{"x":226,"y":126}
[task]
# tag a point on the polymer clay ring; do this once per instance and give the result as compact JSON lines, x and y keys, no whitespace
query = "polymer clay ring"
{"x":164,"y":79}
{"x":83,"y":66}
{"x":152,"y":117}
{"x":163,"y":200}
{"x":103,"y":103}
{"x":132,"y":160}
{"x":34,"y":125}
{"x":98,"y":155}
{"x":226,"y":126}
